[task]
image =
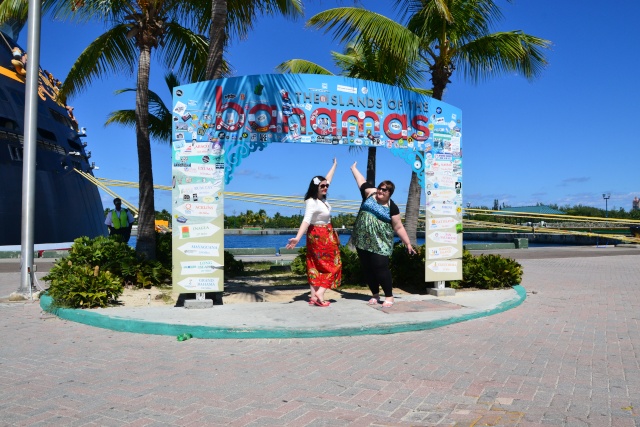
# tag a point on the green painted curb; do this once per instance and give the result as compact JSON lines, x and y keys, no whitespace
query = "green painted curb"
{"x":92,"y":318}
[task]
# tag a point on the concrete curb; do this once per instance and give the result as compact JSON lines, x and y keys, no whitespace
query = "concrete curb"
{"x":98,"y":320}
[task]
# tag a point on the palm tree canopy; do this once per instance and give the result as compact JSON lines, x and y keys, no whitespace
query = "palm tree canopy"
{"x":115,"y":52}
{"x":453,"y":35}
{"x":242,"y":14}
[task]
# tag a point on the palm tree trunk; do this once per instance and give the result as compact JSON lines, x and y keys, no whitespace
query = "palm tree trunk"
{"x":217,"y":39}
{"x":413,"y":209}
{"x":371,"y":165}
{"x":146,"y":242}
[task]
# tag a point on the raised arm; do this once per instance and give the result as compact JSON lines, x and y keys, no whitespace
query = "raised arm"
{"x":329,"y":175}
{"x":357,"y":175}
{"x":361,"y":180}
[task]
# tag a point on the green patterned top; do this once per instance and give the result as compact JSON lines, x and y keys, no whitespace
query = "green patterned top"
{"x":373,"y":231}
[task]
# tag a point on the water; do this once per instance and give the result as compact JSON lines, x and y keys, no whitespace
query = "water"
{"x":273,"y":241}
{"x":280,"y":241}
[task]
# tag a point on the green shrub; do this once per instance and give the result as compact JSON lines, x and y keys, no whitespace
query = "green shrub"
{"x":407,"y":270}
{"x":488,"y":271}
{"x":232,"y":266}
{"x":110,"y":253}
{"x":88,"y":275}
{"x":351,"y":269}
{"x":164,"y":249}
{"x":299,"y":264}
{"x":80,"y":286}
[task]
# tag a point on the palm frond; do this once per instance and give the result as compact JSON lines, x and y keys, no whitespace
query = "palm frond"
{"x":159,"y":118}
{"x":242,"y":14}
{"x":302,"y":66}
{"x":14,"y":11}
{"x":185,"y":52}
{"x":502,"y":52}
{"x":111,"y":53}
{"x":421,"y":91}
{"x":355,"y":24}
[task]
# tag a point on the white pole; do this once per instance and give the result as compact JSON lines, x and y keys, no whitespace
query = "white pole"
{"x":29,"y":149}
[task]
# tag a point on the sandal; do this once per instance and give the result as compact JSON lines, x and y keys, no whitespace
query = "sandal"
{"x":373,"y":301}
{"x":387,"y":304}
{"x":319,"y":303}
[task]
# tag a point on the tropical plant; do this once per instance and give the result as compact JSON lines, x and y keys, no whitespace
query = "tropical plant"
{"x":95,"y":272}
{"x":81,"y":286}
{"x":135,"y":29}
{"x":488,"y":271}
{"x":448,"y":35}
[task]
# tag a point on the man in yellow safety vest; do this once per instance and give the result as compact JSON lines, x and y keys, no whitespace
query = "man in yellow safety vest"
{"x":119,"y":221}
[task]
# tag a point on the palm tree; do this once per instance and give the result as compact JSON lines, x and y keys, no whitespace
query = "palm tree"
{"x":136,"y":29}
{"x":234,"y":18}
{"x":449,"y":35}
{"x":364,"y":60}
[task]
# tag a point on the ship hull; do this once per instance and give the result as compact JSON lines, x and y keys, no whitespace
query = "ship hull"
{"x":67,"y":206}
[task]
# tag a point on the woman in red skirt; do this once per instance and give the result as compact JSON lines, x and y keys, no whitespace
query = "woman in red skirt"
{"x":324,"y":267}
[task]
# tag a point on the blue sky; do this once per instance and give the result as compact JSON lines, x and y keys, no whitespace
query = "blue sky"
{"x":565,"y":138}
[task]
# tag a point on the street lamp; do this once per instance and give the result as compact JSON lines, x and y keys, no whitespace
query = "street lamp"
{"x":606,"y":197}
{"x":468,"y":213}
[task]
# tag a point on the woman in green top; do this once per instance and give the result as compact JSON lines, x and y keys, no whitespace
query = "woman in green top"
{"x":373,"y":233}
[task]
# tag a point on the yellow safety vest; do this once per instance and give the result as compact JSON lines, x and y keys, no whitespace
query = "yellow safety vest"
{"x":122,"y":222}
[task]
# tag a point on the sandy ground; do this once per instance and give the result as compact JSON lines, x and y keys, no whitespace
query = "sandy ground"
{"x":245,"y":291}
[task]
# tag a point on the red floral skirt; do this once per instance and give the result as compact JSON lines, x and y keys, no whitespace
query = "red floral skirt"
{"x":324,"y":267}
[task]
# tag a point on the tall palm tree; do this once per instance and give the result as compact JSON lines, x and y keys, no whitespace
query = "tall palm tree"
{"x":223,"y":19}
{"x":364,"y":60}
{"x":449,"y":35}
{"x":136,"y":28}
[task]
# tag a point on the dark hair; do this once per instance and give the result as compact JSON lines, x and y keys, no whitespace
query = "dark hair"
{"x":117,"y":199}
{"x":312,"y":191}
{"x":390,"y":185}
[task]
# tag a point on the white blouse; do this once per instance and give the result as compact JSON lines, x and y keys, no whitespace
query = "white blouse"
{"x":317,"y":212}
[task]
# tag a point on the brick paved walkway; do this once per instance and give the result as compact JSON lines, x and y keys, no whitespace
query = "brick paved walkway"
{"x":567,"y":356}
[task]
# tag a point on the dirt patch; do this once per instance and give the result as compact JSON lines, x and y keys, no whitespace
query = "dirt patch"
{"x":244,"y":290}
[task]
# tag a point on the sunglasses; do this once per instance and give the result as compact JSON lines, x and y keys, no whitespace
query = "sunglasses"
{"x":383,"y":189}
{"x":324,"y":186}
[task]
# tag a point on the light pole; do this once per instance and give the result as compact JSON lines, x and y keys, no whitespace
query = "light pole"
{"x":606,"y":197}
{"x":468,"y":213}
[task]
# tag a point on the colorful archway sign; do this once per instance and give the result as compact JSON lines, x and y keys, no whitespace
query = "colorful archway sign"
{"x":218,"y":123}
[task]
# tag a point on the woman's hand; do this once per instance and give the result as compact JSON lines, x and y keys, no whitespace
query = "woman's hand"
{"x":353,"y":166}
{"x":411,"y":250}
{"x":292,"y":243}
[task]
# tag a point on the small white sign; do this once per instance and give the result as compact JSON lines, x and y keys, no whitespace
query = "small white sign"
{"x":203,"y":170}
{"x":200,"y":249}
{"x":441,"y":195}
{"x":200,"y":283}
{"x":441,"y":208}
{"x":199,"y":267}
{"x":444,"y":266}
{"x":441,"y":223}
{"x":202,"y":190}
{"x":442,"y":252}
{"x":198,"y":230}
{"x":444,"y":237}
{"x":198,"y":210}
